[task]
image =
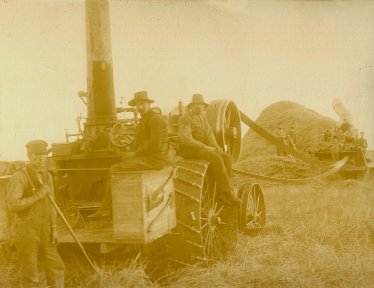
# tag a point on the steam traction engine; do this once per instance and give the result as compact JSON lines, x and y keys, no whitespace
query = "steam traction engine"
{"x":177,"y":205}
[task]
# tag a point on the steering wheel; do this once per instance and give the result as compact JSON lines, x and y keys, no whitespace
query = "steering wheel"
{"x":122,"y":134}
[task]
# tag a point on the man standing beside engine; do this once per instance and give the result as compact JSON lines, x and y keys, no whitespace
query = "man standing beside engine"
{"x":197,"y":141}
{"x":34,"y":232}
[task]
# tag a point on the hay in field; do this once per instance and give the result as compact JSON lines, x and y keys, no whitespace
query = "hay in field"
{"x":308,"y":125}
{"x":274,"y":166}
{"x":317,"y":235}
{"x":260,"y":157}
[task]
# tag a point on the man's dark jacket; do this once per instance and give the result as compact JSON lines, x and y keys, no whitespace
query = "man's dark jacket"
{"x":151,"y":135}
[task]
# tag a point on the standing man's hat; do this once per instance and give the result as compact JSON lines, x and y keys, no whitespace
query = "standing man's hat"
{"x":197,"y":99}
{"x":37,"y":147}
{"x":140,"y":96}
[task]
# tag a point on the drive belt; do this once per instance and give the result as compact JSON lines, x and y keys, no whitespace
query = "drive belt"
{"x":337,"y":165}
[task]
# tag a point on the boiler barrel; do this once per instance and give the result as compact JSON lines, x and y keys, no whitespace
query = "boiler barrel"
{"x":100,"y":87}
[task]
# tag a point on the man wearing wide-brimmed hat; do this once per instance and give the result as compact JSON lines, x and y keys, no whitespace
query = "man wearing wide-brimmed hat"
{"x":151,"y":138}
{"x":197,"y":141}
{"x":33,"y":231}
{"x":150,"y":146}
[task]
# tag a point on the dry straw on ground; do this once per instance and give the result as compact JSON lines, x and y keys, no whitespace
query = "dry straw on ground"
{"x":318,"y":235}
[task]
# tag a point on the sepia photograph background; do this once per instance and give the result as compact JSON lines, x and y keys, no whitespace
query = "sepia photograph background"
{"x":319,"y":232}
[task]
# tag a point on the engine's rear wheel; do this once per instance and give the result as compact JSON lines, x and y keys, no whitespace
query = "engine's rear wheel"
{"x":206,"y":229}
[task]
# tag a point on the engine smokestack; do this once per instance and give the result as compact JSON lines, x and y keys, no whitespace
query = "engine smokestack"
{"x":100,"y":87}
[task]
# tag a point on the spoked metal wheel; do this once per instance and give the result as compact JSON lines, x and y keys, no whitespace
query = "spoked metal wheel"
{"x":252,"y":210}
{"x":206,"y":229}
{"x":215,"y":232}
{"x":224,"y":118}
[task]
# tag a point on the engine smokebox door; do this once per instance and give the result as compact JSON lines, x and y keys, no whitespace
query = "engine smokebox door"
{"x":143,"y":205}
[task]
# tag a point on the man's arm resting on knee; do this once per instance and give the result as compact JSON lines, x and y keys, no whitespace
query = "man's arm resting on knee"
{"x":185,"y":135}
{"x":211,"y":139}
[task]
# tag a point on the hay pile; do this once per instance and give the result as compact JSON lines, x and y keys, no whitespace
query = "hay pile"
{"x":308,"y":124}
{"x":259,"y":156}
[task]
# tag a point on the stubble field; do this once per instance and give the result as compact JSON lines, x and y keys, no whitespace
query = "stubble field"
{"x":317,"y":235}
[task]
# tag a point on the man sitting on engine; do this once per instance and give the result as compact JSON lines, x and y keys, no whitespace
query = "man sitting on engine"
{"x":150,"y":147}
{"x":151,"y":138}
{"x":197,"y":141}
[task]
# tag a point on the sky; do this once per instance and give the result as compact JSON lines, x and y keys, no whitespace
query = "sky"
{"x":254,"y":53}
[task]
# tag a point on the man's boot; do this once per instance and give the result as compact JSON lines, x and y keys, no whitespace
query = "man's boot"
{"x":229,"y":198}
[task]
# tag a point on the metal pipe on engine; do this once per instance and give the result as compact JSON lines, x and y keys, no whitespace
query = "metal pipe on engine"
{"x":101,"y":108}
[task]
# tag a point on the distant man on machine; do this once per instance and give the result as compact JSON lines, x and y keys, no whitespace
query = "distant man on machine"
{"x":150,"y":147}
{"x":197,"y":141}
{"x":362,"y":142}
{"x":336,"y":147}
{"x":33,"y":233}
{"x":281,"y":135}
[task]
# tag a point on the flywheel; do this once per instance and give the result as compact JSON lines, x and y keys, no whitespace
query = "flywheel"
{"x":224,"y":118}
